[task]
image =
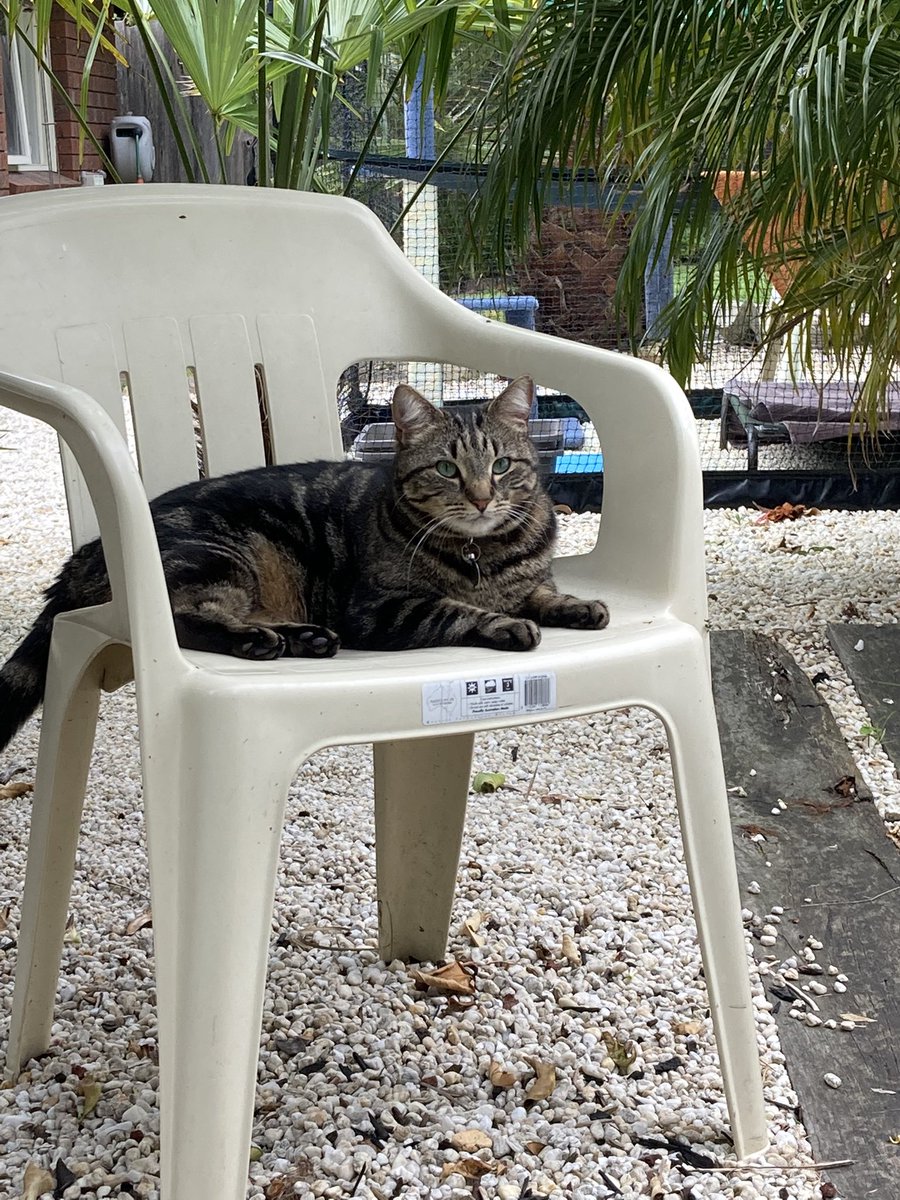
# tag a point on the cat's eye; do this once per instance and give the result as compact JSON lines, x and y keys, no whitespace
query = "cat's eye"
{"x":446,"y":468}
{"x":501,"y":466}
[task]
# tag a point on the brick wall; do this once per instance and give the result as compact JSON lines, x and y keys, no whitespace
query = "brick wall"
{"x":67,"y":54}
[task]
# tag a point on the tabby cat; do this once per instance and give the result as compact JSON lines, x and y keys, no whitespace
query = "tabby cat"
{"x":450,"y":546}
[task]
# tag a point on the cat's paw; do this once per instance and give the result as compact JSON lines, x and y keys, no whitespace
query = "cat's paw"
{"x":586,"y":614}
{"x":514,"y":633}
{"x":259,"y":642}
{"x":310,"y":641}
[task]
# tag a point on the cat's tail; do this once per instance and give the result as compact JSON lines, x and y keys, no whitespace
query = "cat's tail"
{"x":23,"y":676}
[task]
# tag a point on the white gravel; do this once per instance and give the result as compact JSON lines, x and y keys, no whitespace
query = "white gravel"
{"x":583,"y":841}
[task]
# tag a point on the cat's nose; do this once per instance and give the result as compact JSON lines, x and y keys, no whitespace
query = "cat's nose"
{"x":480,"y":504}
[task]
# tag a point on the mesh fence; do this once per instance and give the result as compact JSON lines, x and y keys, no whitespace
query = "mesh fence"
{"x":753,"y":412}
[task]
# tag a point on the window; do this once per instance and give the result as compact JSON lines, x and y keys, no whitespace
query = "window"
{"x":26,"y":95}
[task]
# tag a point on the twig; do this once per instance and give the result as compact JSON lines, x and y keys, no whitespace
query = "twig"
{"x":846,"y":903}
{"x":801,"y":995}
{"x":753,"y":1166}
{"x":533,"y":778}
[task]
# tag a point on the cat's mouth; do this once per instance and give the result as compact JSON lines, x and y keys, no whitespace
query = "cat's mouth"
{"x":480,"y":523}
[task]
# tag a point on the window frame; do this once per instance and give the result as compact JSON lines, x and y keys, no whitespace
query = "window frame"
{"x":32,"y":98}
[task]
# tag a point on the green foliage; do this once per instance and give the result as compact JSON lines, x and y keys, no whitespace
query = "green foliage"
{"x":244,"y":64}
{"x":797,"y":103}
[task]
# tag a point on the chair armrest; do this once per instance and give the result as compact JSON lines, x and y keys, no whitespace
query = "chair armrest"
{"x":141,"y":613}
{"x":651,"y":538}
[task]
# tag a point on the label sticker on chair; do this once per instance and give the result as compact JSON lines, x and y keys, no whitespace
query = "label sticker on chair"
{"x":487,"y":696}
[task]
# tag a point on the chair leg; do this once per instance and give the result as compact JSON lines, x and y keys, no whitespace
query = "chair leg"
{"x":214,"y":802}
{"x":421,"y":786}
{"x":709,"y":854}
{"x":69,"y":720}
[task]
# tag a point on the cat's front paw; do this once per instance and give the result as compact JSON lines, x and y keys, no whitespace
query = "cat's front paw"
{"x":310,"y":641}
{"x":586,"y":614}
{"x":514,"y":633}
{"x":259,"y":642}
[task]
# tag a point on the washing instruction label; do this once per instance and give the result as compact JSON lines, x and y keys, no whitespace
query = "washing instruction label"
{"x":487,"y":696}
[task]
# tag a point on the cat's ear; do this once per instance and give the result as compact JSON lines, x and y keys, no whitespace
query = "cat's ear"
{"x":514,"y":405}
{"x":414,"y":416}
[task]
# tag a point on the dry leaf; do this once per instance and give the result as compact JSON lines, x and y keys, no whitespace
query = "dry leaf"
{"x":553,"y":798}
{"x":90,"y":1091}
{"x":785,"y":512}
{"x":470,"y":1168}
{"x":471,"y":926}
{"x":37,"y":1182}
{"x":453,"y":978}
{"x":688,"y":1027}
{"x":535,"y":1147}
{"x":10,"y":791}
{"x":138,"y":922}
{"x":4,"y":919}
{"x":570,"y":951}
{"x":471,"y":1140}
{"x":500,"y":1076}
{"x":544,"y":1081}
{"x":858,"y":1018}
{"x":71,"y":937}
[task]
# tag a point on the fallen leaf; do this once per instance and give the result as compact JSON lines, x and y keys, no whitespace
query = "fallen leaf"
{"x":688,"y":1027}
{"x":785,"y":512}
{"x":570,"y":951}
{"x":470,"y":1168}
{"x":544,"y":1081}
{"x":90,"y":1091}
{"x":11,"y":791}
{"x":846,"y":785}
{"x":471,"y":926}
{"x":71,"y":937}
{"x":622,"y":1053}
{"x":4,"y":919}
{"x":138,"y":922}
{"x":535,"y":1147}
{"x":471,"y":1140}
{"x":36,"y":1182}
{"x":858,"y":1018}
{"x":553,"y":798}
{"x":757,"y":831}
{"x":500,"y":1076}
{"x":454,"y":977}
{"x":255,"y":1153}
{"x":509,"y":1000}
{"x":488,"y":781}
{"x":64,"y":1178}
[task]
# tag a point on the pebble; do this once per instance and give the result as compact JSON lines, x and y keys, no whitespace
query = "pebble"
{"x":838,"y":986}
{"x":619,"y":877}
{"x":833,"y":1081}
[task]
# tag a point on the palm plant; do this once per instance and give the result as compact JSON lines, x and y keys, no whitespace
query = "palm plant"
{"x":764,"y":136}
{"x":275,"y":70}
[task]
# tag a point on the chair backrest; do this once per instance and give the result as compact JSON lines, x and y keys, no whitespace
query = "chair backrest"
{"x":175,"y":293}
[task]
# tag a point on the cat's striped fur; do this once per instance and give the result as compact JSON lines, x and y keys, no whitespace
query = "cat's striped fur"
{"x":450,"y":546}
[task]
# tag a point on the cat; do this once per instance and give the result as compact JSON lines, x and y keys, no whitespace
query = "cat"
{"x":449,"y":546}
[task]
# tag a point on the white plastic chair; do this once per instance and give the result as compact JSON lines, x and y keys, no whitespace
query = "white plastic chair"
{"x":152,"y":281}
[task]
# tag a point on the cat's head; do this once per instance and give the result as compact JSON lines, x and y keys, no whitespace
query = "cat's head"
{"x":474,"y":470}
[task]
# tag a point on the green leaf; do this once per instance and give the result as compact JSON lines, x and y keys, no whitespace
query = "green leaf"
{"x":488,"y":781}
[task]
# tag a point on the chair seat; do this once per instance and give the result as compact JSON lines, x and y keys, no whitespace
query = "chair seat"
{"x":366,"y":695}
